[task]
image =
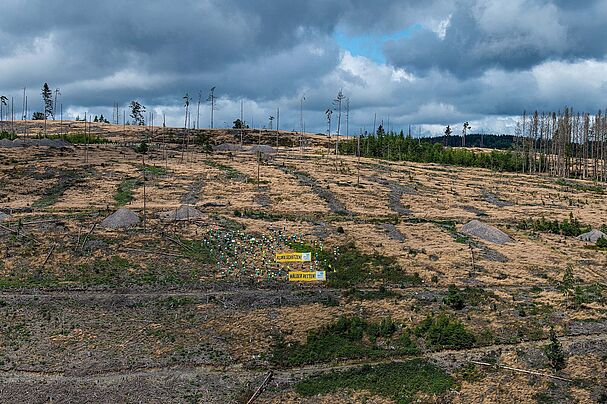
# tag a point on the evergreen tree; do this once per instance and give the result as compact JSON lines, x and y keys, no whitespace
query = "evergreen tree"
{"x":137,"y":111}
{"x":47,"y":97}
{"x":554,"y":352}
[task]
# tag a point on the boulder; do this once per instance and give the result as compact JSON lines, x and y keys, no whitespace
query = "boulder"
{"x":592,"y":236}
{"x":263,"y":149}
{"x":184,"y":212}
{"x":485,"y":232}
{"x":121,"y":219}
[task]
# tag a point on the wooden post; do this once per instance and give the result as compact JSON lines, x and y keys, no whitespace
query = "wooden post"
{"x":144,"y":194}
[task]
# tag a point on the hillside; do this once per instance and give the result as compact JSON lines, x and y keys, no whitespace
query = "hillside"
{"x":190,"y":306}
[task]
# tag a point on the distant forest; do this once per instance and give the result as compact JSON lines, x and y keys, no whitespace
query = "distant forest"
{"x":563,"y":144}
{"x":501,"y":142}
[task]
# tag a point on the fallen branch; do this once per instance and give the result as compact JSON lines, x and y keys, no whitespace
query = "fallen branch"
{"x":39,"y":222}
{"x":179,"y":243}
{"x":521,"y":371}
{"x":9,"y":229}
{"x":48,"y":256}
{"x":261,"y":387}
{"x":87,"y":235}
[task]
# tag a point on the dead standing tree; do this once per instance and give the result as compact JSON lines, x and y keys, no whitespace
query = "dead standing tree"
{"x":212,"y":99}
{"x":465,"y":130}
{"x":328,"y":114}
{"x":337,"y":104}
{"x":3,"y":103}
{"x":186,"y":101}
{"x":564,"y":144}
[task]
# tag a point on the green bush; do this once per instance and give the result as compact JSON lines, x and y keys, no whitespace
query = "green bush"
{"x":572,"y":227}
{"x":348,"y":266}
{"x":7,"y":135}
{"x":454,"y":298}
{"x":125,"y":190}
{"x":398,"y":381}
{"x":460,"y":298}
{"x":142,"y":148}
{"x":554,"y":352}
{"x":343,"y":339}
{"x":444,"y":332}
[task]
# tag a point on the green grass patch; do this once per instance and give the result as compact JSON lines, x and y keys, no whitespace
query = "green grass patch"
{"x":459,"y":298}
{"x":347,"y":338}
{"x":569,"y":227}
{"x":153,"y":170}
{"x":347,"y":266}
{"x":173,"y":302}
{"x":7,"y":135}
{"x":444,"y":332}
{"x":231,"y":172}
{"x":584,"y":294}
{"x":124,"y":194}
{"x":261,"y":215}
{"x":66,"y":180}
{"x":581,"y":187}
{"x":400,"y":382}
{"x":77,"y":138}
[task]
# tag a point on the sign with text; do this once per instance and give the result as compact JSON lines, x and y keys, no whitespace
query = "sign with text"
{"x":317,"y":276}
{"x":294,"y":257}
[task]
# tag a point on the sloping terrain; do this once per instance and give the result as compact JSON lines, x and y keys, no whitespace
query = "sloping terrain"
{"x":196,"y":310}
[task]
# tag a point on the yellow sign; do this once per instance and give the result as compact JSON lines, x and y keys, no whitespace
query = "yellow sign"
{"x":294,"y":257}
{"x":307,"y":276}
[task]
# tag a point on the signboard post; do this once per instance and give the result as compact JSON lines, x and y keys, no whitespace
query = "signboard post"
{"x":301,"y":276}
{"x":307,"y":276}
{"x":294,"y":257}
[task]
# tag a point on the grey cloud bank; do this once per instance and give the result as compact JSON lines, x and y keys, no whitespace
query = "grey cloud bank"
{"x":477,"y":60}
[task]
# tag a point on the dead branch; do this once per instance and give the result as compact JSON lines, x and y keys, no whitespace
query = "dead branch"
{"x":48,"y":256}
{"x":261,"y":387}
{"x":522,"y":371}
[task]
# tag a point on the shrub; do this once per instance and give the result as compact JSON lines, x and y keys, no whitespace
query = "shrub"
{"x":454,"y":298}
{"x":554,"y":352}
{"x":444,"y":332}
{"x":343,"y":339}
{"x":398,"y":381}
{"x":569,"y":227}
{"x":142,"y":148}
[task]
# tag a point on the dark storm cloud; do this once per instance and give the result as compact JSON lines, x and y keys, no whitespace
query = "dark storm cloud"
{"x":464,"y":59}
{"x":512,"y":35}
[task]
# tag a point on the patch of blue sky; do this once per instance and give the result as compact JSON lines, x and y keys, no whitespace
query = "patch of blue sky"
{"x":369,"y":45}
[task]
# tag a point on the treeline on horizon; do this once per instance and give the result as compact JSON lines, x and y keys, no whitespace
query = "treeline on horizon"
{"x":489,"y":141}
{"x":396,"y":147}
{"x":564,"y":144}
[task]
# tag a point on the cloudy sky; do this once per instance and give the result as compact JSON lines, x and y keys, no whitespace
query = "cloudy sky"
{"x":422,"y":63}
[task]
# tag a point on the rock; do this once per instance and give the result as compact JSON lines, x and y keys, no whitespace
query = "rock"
{"x":263,"y":149}
{"x":485,"y":232}
{"x":185,"y":212}
{"x":53,"y":143}
{"x":4,"y":216}
{"x":592,"y":236}
{"x":121,"y":219}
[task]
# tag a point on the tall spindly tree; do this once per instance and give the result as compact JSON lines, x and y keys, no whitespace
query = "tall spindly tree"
{"x":3,"y":100}
{"x":47,"y":97}
{"x":137,"y":111}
